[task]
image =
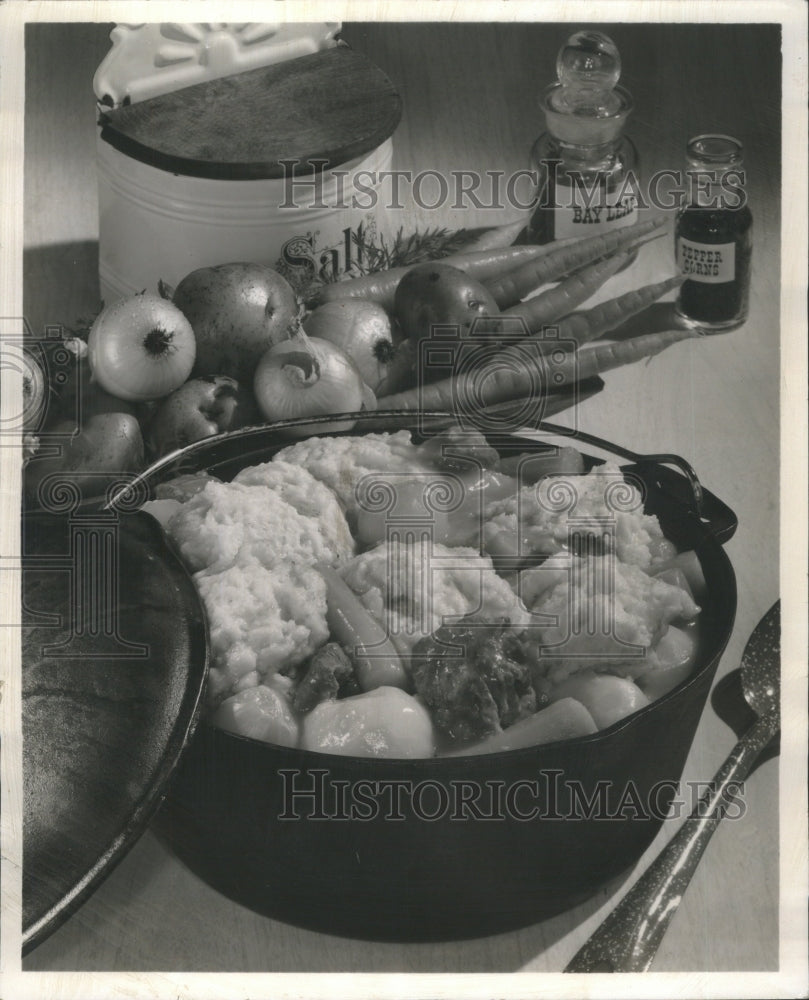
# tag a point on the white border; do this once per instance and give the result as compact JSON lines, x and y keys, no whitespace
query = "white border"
{"x":793,"y":979}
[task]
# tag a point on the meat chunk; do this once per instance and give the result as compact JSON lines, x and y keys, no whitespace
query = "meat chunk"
{"x":329,"y":674}
{"x":474,"y":679}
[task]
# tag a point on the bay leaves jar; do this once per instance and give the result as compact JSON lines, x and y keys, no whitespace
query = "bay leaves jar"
{"x":585,"y":167}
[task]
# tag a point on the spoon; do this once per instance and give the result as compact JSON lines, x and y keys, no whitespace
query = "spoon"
{"x":628,"y":939}
{"x":727,"y":700}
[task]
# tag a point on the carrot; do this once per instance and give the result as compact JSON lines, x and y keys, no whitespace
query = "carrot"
{"x":499,"y":383}
{"x":559,"y":301}
{"x":494,"y":237}
{"x":488,"y":265}
{"x":606,"y":316}
{"x":514,"y":285}
{"x":484,"y":265}
{"x":599,"y":358}
{"x":580,"y":327}
{"x":375,"y":657}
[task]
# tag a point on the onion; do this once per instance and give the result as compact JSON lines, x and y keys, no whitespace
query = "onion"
{"x":361,"y":329}
{"x":141,"y":348}
{"x":34,"y":391}
{"x":306,"y":377}
{"x":369,"y":401}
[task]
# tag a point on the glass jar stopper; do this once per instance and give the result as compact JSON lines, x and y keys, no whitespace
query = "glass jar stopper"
{"x":588,"y":68}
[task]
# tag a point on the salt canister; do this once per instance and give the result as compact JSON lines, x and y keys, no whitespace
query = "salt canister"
{"x":264,"y":143}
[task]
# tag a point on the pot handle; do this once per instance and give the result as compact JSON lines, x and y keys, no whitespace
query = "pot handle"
{"x":687,"y":491}
{"x":683,"y":486}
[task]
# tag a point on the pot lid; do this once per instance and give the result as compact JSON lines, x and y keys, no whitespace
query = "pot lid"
{"x":114,"y":662}
{"x":331,"y":107}
{"x":156,"y":57}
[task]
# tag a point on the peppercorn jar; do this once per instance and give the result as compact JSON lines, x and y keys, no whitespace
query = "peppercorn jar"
{"x":714,"y":236}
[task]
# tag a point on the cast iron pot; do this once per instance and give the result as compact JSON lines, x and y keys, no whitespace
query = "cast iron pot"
{"x":446,"y":847}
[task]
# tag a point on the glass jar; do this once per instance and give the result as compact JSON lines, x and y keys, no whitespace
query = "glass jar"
{"x":585,"y":168}
{"x":714,"y":236}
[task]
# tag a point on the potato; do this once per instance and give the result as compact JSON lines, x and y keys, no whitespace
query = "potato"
{"x":563,"y":720}
{"x":262,"y":713}
{"x":237,"y":311}
{"x":671,"y":661}
{"x":103,"y":449}
{"x":439,"y":294}
{"x":162,"y":510}
{"x":199,"y":409}
{"x":675,"y":576}
{"x":689,"y":565}
{"x":606,"y":697}
{"x":385,"y":722}
{"x":529,"y":468}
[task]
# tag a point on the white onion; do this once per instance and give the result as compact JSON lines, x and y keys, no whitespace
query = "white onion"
{"x":141,"y":348}
{"x":369,"y":401}
{"x":306,"y":377}
{"x":361,"y":330}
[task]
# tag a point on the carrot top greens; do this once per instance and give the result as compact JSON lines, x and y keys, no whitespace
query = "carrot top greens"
{"x":376,"y":254}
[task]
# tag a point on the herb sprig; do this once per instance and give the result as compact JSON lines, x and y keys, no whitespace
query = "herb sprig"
{"x":375,"y":253}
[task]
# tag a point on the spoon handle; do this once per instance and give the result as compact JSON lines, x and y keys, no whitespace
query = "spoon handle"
{"x":629,"y":937}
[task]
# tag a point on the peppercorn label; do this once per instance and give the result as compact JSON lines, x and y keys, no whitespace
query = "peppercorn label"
{"x":708,"y":263}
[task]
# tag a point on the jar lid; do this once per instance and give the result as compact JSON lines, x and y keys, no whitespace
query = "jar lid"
{"x":586,"y":107}
{"x":295,"y":117}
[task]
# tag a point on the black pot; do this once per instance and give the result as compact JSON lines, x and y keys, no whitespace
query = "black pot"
{"x":446,"y":847}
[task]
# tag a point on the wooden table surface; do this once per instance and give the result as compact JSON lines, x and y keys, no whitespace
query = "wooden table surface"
{"x":470,"y":102}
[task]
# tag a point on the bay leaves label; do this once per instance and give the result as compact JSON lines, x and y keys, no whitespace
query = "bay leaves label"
{"x":578,"y":217}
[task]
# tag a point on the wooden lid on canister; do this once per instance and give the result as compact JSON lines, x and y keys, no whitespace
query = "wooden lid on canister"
{"x":314,"y":112}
